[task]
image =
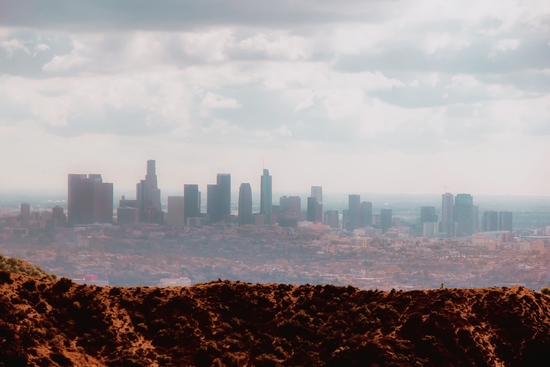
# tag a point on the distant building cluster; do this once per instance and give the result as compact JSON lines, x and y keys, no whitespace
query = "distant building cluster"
{"x":90,"y":201}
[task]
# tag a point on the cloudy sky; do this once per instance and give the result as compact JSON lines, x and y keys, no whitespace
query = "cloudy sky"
{"x":356,"y":96}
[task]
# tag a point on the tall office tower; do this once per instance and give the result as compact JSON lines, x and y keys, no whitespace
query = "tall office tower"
{"x":489,"y":221}
{"x":463,"y":212}
{"x":447,"y":220}
{"x":475,"y":218}
{"x":317,"y":193}
{"x":312,"y":204}
{"x":385,"y":219}
{"x":366,"y":214}
{"x":505,"y":221}
{"x":175,"y":215}
{"x":245,"y":204}
{"x":224,"y":191}
{"x":191,"y":202}
{"x":331,"y":218}
{"x":293,"y":206}
{"x":58,"y":216}
{"x":354,"y":212}
{"x":266,"y":196}
{"x":25,"y":217}
{"x":427,"y":214}
{"x":90,"y":200}
{"x":148,"y":197}
{"x":282,"y":203}
{"x":213,"y":203}
{"x":345,"y":218}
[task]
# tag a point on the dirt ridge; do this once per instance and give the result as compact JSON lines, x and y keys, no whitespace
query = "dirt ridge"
{"x":45,"y":322}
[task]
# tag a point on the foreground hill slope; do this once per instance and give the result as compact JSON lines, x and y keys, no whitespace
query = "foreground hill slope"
{"x":45,"y":322}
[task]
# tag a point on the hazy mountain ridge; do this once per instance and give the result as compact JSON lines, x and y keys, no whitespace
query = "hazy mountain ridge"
{"x":60,"y":323}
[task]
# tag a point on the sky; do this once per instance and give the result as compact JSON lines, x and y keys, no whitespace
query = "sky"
{"x":355,"y":96}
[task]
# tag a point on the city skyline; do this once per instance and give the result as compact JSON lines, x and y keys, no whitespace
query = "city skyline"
{"x":388,"y":97}
{"x":88,"y":197}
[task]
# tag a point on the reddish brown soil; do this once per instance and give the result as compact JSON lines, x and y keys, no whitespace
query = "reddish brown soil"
{"x":59,"y":323}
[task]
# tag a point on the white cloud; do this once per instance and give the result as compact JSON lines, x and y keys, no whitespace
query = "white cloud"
{"x":12,"y":45}
{"x":283,"y":130}
{"x":334,"y":84}
{"x":68,"y":62}
{"x":281,"y":45}
{"x":434,"y":42}
{"x":507,"y":44}
{"x":212,"y":100}
{"x":210,"y":46}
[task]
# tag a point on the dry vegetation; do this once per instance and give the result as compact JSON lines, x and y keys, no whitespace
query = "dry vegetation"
{"x":18,"y":266}
{"x":59,"y":323}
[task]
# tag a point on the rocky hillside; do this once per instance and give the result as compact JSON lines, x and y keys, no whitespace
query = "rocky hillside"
{"x":46,"y":322}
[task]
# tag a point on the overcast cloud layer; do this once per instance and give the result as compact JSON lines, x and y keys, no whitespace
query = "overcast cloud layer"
{"x":366,"y":96}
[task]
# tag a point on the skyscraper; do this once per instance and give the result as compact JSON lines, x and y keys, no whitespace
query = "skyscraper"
{"x":505,"y":221}
{"x":312,"y":209}
{"x":366,"y":214}
{"x":317,"y":193}
{"x":354,"y":212}
{"x":90,"y":200}
{"x":25,"y":217}
{"x":191,"y":202}
{"x":427,"y":214}
{"x":490,"y":221}
{"x":463,"y":214}
{"x":148,"y":196}
{"x":59,"y":218}
{"x":475,"y":218}
{"x":213,"y":203}
{"x":175,"y":215}
{"x":385,"y":219}
{"x":331,"y":218}
{"x":447,"y":220}
{"x":266,"y":196}
{"x":245,"y":204}
{"x":223,"y":181}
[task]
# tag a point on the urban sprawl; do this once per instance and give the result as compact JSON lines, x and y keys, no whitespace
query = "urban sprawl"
{"x":144,"y":245}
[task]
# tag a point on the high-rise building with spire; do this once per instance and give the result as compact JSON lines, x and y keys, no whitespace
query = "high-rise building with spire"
{"x":266,"y":196}
{"x":148,"y":197}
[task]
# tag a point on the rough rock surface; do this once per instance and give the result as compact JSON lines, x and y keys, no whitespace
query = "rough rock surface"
{"x":44,"y":322}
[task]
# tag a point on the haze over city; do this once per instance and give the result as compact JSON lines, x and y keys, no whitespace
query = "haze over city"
{"x":316,"y":183}
{"x":381,"y":97}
